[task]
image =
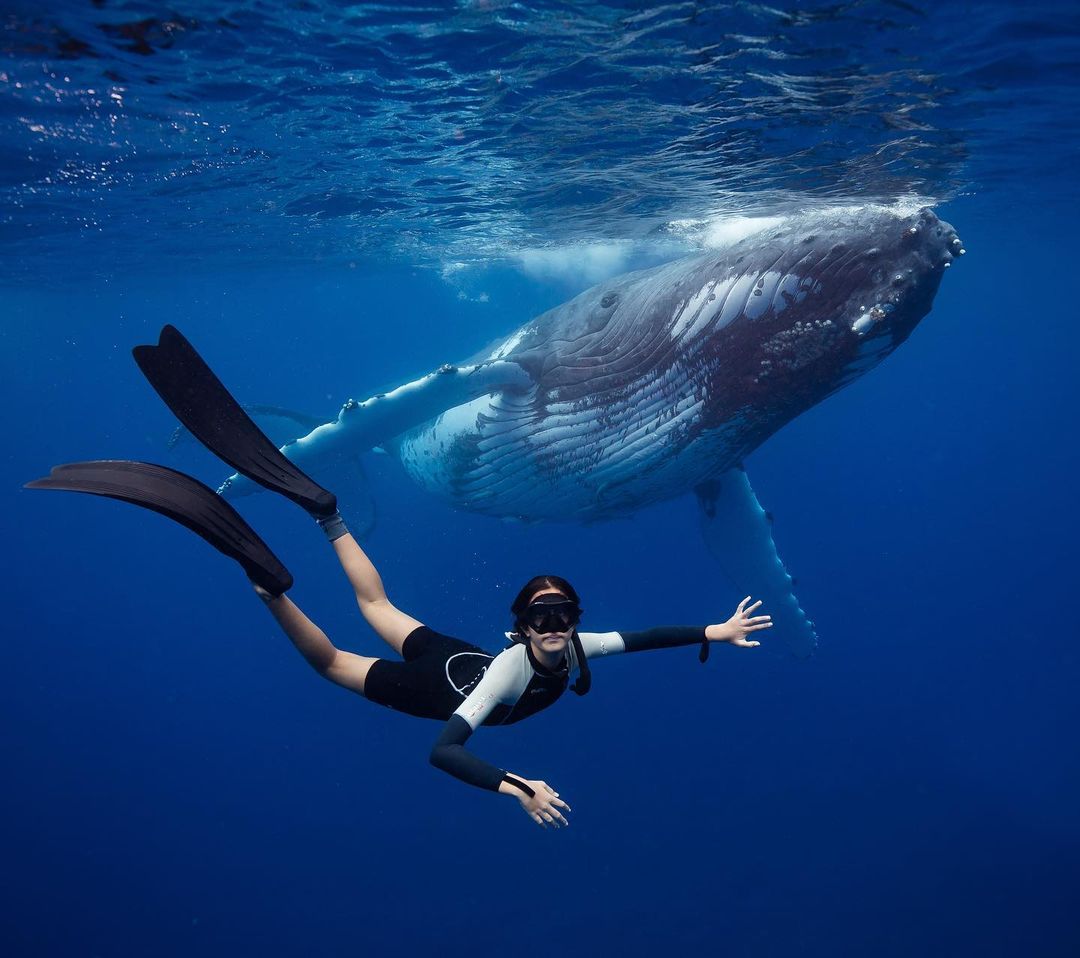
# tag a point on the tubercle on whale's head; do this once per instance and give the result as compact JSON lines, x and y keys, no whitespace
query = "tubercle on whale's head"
{"x":843,"y":291}
{"x":906,"y":265}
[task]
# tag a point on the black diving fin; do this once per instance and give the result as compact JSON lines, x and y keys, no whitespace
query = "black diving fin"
{"x":182,"y":499}
{"x":201,"y":402}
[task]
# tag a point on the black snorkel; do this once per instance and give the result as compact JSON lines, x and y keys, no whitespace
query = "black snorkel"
{"x":584,"y":679}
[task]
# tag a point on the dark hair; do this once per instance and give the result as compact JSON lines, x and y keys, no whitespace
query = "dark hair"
{"x":542,"y":583}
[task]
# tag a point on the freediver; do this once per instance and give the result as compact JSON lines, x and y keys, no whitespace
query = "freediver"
{"x":439,"y":677}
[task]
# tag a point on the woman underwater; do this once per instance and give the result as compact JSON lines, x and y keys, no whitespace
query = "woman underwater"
{"x":440,"y":677}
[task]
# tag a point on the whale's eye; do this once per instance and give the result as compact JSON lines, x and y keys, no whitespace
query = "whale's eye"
{"x":609,"y":300}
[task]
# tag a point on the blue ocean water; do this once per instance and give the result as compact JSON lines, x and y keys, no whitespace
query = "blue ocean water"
{"x":330,"y":199}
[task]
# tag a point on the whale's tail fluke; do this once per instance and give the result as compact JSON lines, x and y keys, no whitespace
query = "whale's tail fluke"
{"x":201,"y":402}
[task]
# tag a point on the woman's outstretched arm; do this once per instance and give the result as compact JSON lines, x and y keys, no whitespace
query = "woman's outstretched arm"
{"x":505,"y":681}
{"x":735,"y":631}
{"x":539,"y":800}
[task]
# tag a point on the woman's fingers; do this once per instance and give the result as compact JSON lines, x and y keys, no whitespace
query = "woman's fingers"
{"x":754,"y":606}
{"x":555,"y":800}
{"x":557,"y":819}
{"x":742,"y":605}
{"x":546,"y":815}
{"x":549,"y":816}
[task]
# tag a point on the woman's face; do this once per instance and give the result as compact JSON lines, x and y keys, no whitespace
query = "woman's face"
{"x":548,"y":644}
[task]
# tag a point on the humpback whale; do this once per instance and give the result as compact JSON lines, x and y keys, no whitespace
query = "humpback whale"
{"x":658,"y":383}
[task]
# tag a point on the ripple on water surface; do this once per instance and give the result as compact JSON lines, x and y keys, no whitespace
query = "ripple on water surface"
{"x":133,"y":132}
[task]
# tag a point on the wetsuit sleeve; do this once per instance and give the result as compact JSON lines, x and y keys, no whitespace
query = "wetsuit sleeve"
{"x":664,"y":637}
{"x":451,"y":756}
{"x":598,"y":644}
{"x":501,"y":683}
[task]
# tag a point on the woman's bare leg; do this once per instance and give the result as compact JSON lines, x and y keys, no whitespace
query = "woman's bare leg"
{"x":392,"y":625}
{"x":342,"y":668}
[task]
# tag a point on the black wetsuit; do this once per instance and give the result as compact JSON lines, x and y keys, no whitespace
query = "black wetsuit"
{"x":445,"y":678}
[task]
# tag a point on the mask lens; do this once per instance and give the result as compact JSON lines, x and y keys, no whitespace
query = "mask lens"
{"x":545,"y":618}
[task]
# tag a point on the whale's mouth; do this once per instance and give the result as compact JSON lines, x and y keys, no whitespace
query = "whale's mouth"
{"x":929,"y":247}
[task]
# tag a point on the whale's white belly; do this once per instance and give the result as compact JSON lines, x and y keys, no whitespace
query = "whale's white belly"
{"x":502,"y":456}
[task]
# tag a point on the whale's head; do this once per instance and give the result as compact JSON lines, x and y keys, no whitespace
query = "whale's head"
{"x":893,"y":281}
{"x":736,"y":342}
{"x":816,"y":302}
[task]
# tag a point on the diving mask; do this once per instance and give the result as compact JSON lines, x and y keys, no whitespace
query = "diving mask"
{"x":551,"y":613}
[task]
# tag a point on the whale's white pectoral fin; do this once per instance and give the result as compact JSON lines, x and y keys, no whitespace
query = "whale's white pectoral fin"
{"x":361,"y":426}
{"x":738,"y":533}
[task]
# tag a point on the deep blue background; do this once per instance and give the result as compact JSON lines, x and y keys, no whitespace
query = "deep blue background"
{"x":176,"y":782}
{"x":179,"y":783}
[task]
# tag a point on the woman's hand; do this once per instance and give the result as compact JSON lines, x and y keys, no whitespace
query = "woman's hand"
{"x":739,"y":626}
{"x":544,"y":805}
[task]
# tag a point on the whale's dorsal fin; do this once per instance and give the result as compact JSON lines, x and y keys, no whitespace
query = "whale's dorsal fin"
{"x":360,"y":426}
{"x":738,"y":533}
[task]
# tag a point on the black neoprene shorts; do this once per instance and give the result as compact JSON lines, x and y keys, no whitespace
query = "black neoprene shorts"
{"x":438,"y":673}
